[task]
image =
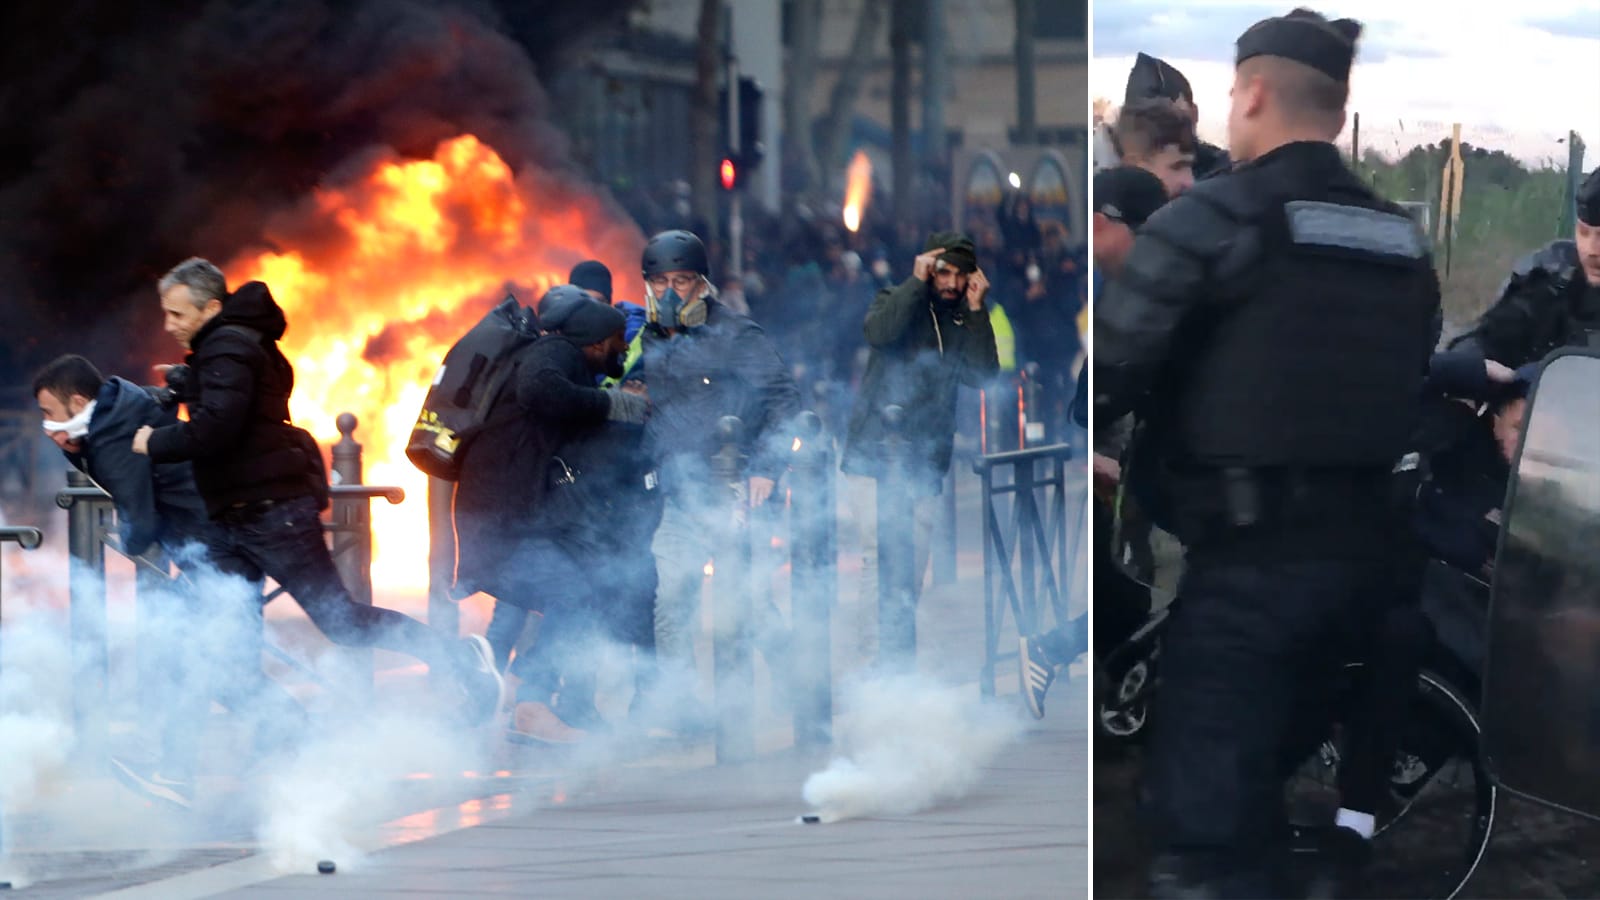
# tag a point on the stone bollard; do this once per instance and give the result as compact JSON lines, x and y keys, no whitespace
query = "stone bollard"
{"x":897,"y":609}
{"x":734,"y":671}
{"x":944,"y":542}
{"x":443,"y":614}
{"x":351,"y":521}
{"x":88,"y":518}
{"x":815,"y":581}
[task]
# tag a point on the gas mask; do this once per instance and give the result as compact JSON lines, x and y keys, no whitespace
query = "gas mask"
{"x":671,"y":311}
{"x":667,"y":308}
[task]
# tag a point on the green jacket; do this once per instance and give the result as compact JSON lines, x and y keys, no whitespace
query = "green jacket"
{"x":921,"y":350}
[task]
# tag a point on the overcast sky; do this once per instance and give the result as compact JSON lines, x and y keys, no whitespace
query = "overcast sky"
{"x":1516,"y":75}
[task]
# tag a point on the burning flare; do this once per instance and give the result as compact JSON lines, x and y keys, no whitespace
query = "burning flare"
{"x":857,"y":189}
{"x":381,"y":273}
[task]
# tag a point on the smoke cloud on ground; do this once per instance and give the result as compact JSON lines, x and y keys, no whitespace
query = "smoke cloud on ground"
{"x":908,"y":743}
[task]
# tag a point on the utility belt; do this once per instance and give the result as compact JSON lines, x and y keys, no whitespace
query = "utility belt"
{"x":1206,"y":502}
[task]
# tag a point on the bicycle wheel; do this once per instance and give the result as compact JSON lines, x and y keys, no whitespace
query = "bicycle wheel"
{"x":1431,"y":839}
{"x":1123,"y":689}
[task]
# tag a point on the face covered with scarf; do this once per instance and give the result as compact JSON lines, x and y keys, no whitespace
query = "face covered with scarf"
{"x":66,"y":420}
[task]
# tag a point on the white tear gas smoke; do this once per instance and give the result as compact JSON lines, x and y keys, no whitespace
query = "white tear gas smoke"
{"x":909,"y":743}
{"x":35,"y":728}
{"x":307,"y":784}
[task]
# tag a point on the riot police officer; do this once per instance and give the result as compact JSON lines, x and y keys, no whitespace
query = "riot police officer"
{"x":1552,"y":298}
{"x":1270,"y":329}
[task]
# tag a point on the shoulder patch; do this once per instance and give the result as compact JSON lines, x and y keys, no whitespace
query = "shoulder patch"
{"x":1353,"y":228}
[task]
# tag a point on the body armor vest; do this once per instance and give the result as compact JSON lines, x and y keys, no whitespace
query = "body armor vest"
{"x":1319,"y":359}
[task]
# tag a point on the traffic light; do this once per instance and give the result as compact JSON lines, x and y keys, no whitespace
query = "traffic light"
{"x":751,"y":148}
{"x":728,"y":173}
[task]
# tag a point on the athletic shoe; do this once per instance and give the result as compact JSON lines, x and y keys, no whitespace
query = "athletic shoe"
{"x":537,"y":723}
{"x":145,"y":780}
{"x":1035,"y":671}
{"x":481,"y":680}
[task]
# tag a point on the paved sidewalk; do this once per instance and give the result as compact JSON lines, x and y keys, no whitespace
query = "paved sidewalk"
{"x":670,"y":825}
{"x":732,"y":832}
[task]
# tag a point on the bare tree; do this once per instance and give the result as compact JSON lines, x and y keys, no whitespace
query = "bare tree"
{"x":800,"y":76}
{"x":841,"y":102}
{"x":703,"y":148}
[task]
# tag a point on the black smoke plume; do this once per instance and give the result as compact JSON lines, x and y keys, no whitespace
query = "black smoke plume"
{"x":137,"y":134}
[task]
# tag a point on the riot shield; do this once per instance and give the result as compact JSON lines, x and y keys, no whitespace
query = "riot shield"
{"x":1541,"y":697}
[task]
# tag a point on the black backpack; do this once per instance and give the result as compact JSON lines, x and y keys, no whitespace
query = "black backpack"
{"x":469,"y":381}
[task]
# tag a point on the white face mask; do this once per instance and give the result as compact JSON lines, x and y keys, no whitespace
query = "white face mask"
{"x":75,"y":427}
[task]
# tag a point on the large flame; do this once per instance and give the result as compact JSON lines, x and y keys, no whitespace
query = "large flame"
{"x":380,"y":273}
{"x":857,"y":189}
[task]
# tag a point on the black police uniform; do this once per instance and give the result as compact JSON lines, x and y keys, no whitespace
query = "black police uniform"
{"x":1546,"y":303}
{"x":1271,"y":328}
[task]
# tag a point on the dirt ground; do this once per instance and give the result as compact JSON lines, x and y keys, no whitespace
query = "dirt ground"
{"x":1534,"y":852}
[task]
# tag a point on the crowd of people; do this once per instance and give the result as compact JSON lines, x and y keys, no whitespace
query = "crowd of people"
{"x":601,"y":433}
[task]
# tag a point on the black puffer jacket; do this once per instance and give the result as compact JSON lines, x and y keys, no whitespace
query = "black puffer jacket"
{"x":504,"y":472}
{"x":237,"y":392}
{"x":156,"y":502}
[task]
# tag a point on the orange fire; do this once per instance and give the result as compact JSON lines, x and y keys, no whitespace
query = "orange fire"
{"x":381,"y":273}
{"x":857,"y":189}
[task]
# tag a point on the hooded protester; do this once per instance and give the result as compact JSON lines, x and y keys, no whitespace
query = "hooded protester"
{"x":93,"y":420}
{"x":262,"y":479}
{"x":928,"y":335}
{"x":1552,"y":298}
{"x":495,"y":494}
{"x":565,"y":453}
{"x":1152,"y":77}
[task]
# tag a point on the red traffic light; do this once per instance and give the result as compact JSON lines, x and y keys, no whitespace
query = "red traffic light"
{"x":729,"y":175}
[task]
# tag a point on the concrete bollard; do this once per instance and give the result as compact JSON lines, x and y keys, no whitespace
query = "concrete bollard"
{"x":897,"y":611}
{"x":443,"y":613}
{"x":89,"y":516}
{"x":734,"y":671}
{"x":350,"y":518}
{"x":815,"y":581}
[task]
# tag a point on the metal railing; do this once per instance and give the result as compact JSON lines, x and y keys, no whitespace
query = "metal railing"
{"x":91,"y":528}
{"x":1031,"y":543}
{"x":27,"y":539}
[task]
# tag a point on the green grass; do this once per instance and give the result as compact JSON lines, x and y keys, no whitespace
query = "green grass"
{"x":1507,"y":211}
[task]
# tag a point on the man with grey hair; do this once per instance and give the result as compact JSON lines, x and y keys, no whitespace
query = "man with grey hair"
{"x":262,"y":479}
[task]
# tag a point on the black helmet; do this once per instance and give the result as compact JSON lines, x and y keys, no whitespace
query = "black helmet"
{"x":1589,"y":199}
{"x":675,"y":251}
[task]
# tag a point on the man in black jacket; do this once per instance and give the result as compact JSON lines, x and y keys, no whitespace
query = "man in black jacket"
{"x":1552,"y":298}
{"x":93,"y":420}
{"x":702,"y":361}
{"x":513,"y":545}
{"x":928,"y":335}
{"x":1271,"y":328}
{"x":262,"y":479}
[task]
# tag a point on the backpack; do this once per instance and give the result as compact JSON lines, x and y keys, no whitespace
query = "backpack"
{"x":463,"y":392}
